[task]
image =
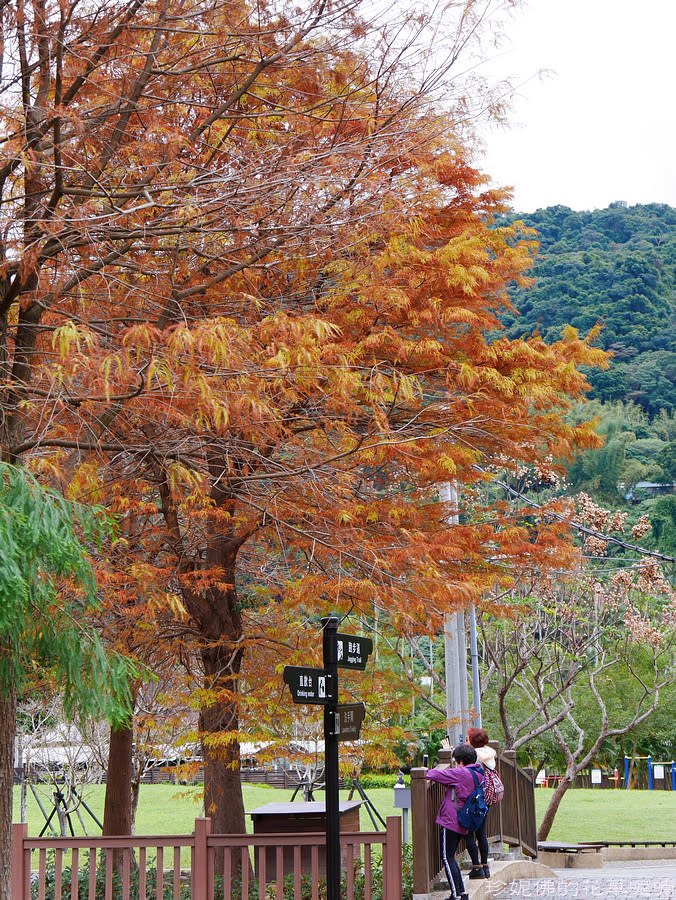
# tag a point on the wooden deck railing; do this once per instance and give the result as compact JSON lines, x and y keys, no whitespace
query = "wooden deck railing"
{"x":511,"y":822}
{"x":177,"y":867}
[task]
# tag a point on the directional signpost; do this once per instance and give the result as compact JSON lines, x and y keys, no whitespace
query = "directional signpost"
{"x":349,"y":717}
{"x":342,"y":722}
{"x":308,"y":685}
{"x":352,"y":650}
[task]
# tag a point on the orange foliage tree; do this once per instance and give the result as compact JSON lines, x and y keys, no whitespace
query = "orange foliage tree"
{"x":249,"y":298}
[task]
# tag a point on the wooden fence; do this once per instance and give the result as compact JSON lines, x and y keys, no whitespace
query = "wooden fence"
{"x":186,"y":866}
{"x":281,"y":778}
{"x":182,"y":774}
{"x":511,"y":822}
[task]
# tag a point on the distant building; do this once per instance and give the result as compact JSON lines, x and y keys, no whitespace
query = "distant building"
{"x":644,"y":489}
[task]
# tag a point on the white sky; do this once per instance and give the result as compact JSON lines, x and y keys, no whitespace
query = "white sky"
{"x":601,"y":125}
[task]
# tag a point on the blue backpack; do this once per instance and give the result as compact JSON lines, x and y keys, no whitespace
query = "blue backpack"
{"x":474,"y":811}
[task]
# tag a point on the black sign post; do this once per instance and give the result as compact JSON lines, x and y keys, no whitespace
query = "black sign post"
{"x":330,"y":626}
{"x":341,"y":723}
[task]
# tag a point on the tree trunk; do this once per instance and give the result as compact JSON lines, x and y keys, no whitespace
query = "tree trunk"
{"x":117,"y":805}
{"x":222,"y":631}
{"x":554,"y":803}
{"x":7,"y":733}
{"x":219,"y":722}
{"x":135,"y":792}
{"x":217,"y":615}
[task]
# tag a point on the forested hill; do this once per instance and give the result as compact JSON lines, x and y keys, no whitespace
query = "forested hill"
{"x":616,"y":266}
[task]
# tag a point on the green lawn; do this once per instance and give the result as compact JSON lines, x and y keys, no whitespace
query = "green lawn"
{"x":613,"y":815}
{"x":170,"y":809}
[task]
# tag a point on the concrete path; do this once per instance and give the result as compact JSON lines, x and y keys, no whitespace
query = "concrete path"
{"x":625,"y":880}
{"x":630,"y":880}
{"x":645,"y":880}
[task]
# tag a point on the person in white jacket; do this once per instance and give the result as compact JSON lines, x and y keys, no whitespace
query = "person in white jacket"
{"x":487,"y":756}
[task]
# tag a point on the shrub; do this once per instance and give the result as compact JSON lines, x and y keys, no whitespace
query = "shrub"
{"x":83,"y":881}
{"x":377,"y":780}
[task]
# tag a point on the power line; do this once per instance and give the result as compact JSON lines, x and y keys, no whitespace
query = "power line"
{"x":583,"y":529}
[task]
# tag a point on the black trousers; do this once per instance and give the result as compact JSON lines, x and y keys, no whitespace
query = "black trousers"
{"x":449,"y":845}
{"x":482,"y":841}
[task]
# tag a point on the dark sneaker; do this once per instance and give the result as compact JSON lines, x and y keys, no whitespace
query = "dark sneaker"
{"x":487,"y":872}
{"x":477,"y":872}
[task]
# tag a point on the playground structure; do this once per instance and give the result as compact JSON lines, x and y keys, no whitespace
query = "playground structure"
{"x":664,"y":771}
{"x":637,"y":773}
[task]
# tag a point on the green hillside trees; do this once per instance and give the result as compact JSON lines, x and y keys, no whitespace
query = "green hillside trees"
{"x":615,"y":267}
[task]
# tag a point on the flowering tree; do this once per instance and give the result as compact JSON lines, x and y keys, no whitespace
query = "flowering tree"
{"x":584,"y":656}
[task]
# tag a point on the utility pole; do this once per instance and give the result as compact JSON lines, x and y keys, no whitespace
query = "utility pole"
{"x":455,"y":649}
{"x":476,"y":688}
{"x":462,"y":675}
{"x":454,"y":640}
{"x":453,"y":678}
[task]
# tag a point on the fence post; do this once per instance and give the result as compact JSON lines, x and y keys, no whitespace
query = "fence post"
{"x":445,"y":756}
{"x":200,"y":860}
{"x":393,"y":866}
{"x":420,"y":837}
{"x":496,"y":810}
{"x":525,"y":807}
{"x":20,"y":877}
{"x":511,"y":756}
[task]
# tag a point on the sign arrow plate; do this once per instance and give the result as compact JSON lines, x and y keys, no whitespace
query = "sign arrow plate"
{"x":352,"y":650}
{"x":349,"y":717}
{"x":308,"y":685}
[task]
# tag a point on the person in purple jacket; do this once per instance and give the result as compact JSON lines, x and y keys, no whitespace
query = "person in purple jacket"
{"x":459,"y":785}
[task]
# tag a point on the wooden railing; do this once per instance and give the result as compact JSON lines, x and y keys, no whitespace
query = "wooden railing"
{"x":201,"y":866}
{"x":281,"y":778}
{"x":511,"y":822}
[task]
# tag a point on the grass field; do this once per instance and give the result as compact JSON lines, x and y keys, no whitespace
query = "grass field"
{"x":584,"y":815}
